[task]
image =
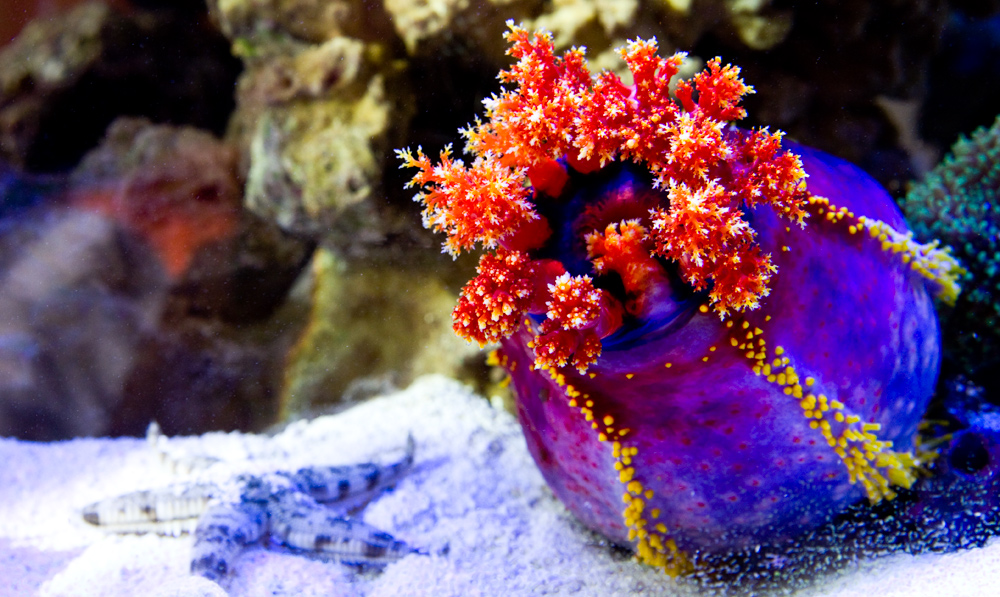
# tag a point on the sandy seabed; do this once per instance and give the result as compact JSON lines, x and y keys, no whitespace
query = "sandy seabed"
{"x":474,"y":502}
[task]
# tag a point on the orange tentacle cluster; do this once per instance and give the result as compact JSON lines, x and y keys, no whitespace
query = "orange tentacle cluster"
{"x":625,"y":249}
{"x":483,"y":203}
{"x":533,"y":124}
{"x":567,"y":336}
{"x":492,"y":304}
{"x":622,"y":249}
{"x":697,"y":222}
{"x":719,"y":91}
{"x":557,"y":112}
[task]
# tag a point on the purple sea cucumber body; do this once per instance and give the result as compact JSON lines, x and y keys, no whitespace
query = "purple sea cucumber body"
{"x":729,"y":457}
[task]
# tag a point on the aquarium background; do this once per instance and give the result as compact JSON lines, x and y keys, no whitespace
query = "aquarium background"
{"x":202,"y":224}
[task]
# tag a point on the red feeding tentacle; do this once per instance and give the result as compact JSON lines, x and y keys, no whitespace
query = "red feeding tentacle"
{"x":493,"y":303}
{"x":712,"y":242}
{"x":655,"y":110}
{"x":771,"y":176}
{"x":479,"y":204}
{"x":604,"y":123}
{"x":624,"y":248}
{"x":534,"y":122}
{"x":720,"y":91}
{"x":548,"y":176}
{"x":576,"y":311}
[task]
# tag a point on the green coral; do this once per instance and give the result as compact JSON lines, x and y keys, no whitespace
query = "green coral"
{"x":957,"y":202}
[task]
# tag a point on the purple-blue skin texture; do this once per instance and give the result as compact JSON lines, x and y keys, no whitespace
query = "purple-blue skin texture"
{"x":724,"y":457}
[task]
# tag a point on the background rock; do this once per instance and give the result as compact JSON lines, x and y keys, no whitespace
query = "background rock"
{"x":64,"y":79}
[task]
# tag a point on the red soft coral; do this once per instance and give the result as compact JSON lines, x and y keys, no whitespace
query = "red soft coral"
{"x":562,"y":347}
{"x":741,"y":279}
{"x":574,"y":303}
{"x":695,"y":149}
{"x":710,"y":174}
{"x":604,"y":121}
{"x":655,"y":109}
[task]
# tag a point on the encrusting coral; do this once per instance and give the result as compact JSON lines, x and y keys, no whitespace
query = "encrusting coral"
{"x":695,"y":367}
{"x":957,"y":202}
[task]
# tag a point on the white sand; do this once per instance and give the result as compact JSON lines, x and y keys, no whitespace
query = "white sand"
{"x":474,"y":501}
